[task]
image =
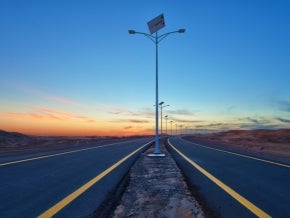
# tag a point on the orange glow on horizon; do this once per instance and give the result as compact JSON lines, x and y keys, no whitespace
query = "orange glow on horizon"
{"x":77,"y":131}
{"x":39,"y":125}
{"x":44,"y":121}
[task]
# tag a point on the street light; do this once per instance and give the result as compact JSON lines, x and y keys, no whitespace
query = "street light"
{"x":161,"y":107}
{"x":181,"y":130}
{"x":166,"y":117}
{"x":171,"y":126}
{"x":155,"y":25}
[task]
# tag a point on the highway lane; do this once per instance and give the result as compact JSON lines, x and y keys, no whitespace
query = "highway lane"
{"x":67,"y":184}
{"x":234,"y":185}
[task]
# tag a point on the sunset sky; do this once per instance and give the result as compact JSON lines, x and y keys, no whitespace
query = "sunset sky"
{"x":69,"y":67}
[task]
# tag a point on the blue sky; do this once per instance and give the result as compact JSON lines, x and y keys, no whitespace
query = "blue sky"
{"x":71,"y":68}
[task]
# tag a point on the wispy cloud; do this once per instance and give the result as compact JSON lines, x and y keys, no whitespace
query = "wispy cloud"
{"x":130,"y":121}
{"x":65,"y":101}
{"x":261,"y":123}
{"x":252,"y":120}
{"x":42,"y":113}
{"x":181,"y":112}
{"x":212,"y":125}
{"x":122,"y":111}
{"x":283,"y":120}
{"x":138,"y":121}
{"x":185,"y":120}
{"x":116,"y":110}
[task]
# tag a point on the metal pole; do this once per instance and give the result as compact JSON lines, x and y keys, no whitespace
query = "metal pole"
{"x":156,"y":150}
{"x":156,"y":39}
{"x":171,"y":127}
{"x":161,"y":119}
{"x":166,"y":117}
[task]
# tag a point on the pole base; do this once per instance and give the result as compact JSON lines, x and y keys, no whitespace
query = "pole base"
{"x":156,"y":155}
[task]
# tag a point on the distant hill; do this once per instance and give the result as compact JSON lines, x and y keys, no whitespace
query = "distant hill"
{"x":11,"y":139}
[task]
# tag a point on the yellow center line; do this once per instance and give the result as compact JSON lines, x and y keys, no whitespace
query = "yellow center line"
{"x":250,"y":206}
{"x":64,"y":202}
{"x":242,"y":155}
{"x":58,"y":154}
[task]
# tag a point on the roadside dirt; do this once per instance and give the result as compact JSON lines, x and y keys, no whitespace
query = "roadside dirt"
{"x":274,"y":142}
{"x":157,"y":189}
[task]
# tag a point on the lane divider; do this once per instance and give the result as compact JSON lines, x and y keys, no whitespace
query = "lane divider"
{"x":242,"y":155}
{"x":250,"y":206}
{"x":58,"y":154}
{"x":67,"y":200}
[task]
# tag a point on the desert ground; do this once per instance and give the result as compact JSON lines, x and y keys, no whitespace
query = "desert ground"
{"x":272,"y":142}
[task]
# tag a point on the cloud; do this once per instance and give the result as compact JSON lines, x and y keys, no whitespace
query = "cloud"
{"x":262,"y":126}
{"x":212,"y":125}
{"x":121,"y":111}
{"x":147,"y":112}
{"x":65,"y":101}
{"x":181,"y":112}
{"x":128,"y":127}
{"x":42,"y":113}
{"x":283,"y":120}
{"x":130,"y":121}
{"x":138,"y":121}
{"x":185,"y":120}
{"x":252,"y":120}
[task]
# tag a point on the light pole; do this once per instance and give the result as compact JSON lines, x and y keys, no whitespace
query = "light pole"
{"x":161,"y":107}
{"x":155,"y":25}
{"x":175,"y":128}
{"x":181,"y":130}
{"x":166,"y":117}
{"x":171,"y":126}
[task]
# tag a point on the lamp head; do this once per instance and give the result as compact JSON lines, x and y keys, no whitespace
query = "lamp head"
{"x":132,"y":31}
{"x":161,"y":103}
{"x":181,"y":30}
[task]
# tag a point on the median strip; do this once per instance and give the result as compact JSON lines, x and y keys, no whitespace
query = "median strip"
{"x":250,"y":206}
{"x":64,"y":202}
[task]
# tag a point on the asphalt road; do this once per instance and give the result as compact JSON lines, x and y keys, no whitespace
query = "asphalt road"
{"x":64,"y":184}
{"x":234,"y":185}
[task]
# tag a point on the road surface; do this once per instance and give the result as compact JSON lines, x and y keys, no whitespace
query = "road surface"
{"x":64,"y":184}
{"x":234,"y":185}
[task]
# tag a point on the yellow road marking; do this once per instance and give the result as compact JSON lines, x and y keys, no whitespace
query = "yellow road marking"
{"x":242,"y":155}
{"x":64,"y":202}
{"x":250,"y":206}
{"x":58,"y":154}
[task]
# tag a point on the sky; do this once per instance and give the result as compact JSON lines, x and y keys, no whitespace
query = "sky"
{"x":69,"y":67}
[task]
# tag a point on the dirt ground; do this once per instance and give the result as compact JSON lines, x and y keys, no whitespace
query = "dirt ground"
{"x":157,"y":189}
{"x":275,"y":142}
